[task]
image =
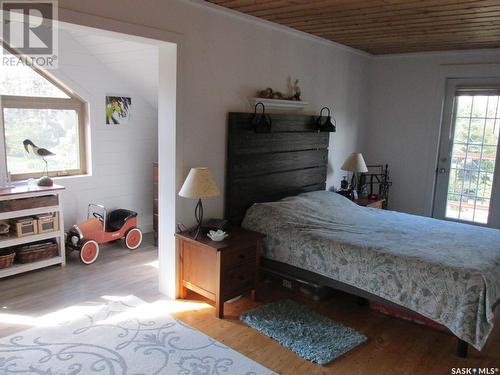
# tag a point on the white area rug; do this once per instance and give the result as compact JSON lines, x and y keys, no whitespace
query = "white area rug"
{"x":124,"y":336}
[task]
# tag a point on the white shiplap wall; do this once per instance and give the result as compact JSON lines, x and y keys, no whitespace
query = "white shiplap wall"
{"x":120,"y":156}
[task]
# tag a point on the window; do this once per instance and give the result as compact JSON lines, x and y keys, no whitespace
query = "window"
{"x":35,"y":106}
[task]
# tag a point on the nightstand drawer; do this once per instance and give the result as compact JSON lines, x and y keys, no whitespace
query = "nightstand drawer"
{"x":238,"y":278}
{"x":236,"y":256}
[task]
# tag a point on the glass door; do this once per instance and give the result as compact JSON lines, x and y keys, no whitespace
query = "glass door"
{"x":468,"y":156}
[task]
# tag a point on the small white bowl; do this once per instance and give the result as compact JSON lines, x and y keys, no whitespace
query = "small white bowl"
{"x":217,"y":235}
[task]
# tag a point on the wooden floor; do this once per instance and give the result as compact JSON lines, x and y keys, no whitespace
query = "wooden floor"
{"x":394,"y":346}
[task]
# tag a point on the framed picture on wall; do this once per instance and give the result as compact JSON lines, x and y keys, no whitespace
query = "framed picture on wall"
{"x":118,"y":110}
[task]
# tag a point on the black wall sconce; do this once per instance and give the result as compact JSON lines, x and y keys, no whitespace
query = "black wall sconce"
{"x":329,"y":125}
{"x":260,"y":122}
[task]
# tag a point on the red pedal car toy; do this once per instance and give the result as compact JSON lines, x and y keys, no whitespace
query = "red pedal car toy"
{"x":101,"y":227}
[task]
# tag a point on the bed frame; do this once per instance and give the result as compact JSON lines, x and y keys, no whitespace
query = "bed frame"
{"x":291,"y":159}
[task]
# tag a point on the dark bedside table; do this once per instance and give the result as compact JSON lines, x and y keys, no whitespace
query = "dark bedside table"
{"x":221,"y":270}
{"x":367,"y":202}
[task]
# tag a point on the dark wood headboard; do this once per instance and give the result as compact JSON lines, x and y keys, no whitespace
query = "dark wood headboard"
{"x":264,"y":167}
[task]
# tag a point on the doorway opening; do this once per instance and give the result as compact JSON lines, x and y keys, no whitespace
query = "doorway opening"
{"x":99,"y":64}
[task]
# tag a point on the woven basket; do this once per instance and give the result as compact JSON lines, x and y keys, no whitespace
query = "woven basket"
{"x":7,"y":260}
{"x":30,"y":255}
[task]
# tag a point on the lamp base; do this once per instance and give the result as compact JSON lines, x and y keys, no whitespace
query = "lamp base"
{"x":198,"y":214}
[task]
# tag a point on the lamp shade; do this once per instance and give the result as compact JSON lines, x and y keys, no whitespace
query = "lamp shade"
{"x":199,"y":183}
{"x":355,"y":163}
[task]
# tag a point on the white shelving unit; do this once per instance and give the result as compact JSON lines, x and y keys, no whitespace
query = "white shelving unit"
{"x":21,"y":192}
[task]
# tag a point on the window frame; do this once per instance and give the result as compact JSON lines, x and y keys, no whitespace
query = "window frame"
{"x":74,"y":102}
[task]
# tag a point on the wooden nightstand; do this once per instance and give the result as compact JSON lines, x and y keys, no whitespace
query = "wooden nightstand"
{"x":221,"y":270}
{"x":373,"y":203}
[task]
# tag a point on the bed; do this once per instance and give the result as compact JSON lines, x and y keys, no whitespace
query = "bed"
{"x":447,"y":272}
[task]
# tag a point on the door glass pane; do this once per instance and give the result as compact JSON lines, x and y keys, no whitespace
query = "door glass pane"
{"x":464,"y":106}
{"x":474,"y":151}
{"x":462,"y":129}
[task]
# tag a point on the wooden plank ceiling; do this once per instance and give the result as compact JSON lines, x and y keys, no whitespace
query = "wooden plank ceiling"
{"x":386,"y":26}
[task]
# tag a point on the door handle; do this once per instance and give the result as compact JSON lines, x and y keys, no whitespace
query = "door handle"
{"x":442,"y":170}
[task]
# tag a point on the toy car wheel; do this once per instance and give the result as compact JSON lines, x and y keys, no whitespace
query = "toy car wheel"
{"x":89,"y":252}
{"x":133,"y":238}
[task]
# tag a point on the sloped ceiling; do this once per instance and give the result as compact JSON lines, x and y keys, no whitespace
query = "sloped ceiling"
{"x":134,"y":62}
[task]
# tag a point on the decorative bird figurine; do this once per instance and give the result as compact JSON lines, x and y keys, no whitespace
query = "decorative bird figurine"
{"x":42,"y":153}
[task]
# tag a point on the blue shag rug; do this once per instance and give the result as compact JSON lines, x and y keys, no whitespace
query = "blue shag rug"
{"x":310,"y":335}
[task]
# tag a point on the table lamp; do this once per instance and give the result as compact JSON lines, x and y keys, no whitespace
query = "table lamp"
{"x":199,"y":184}
{"x":355,"y":164}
